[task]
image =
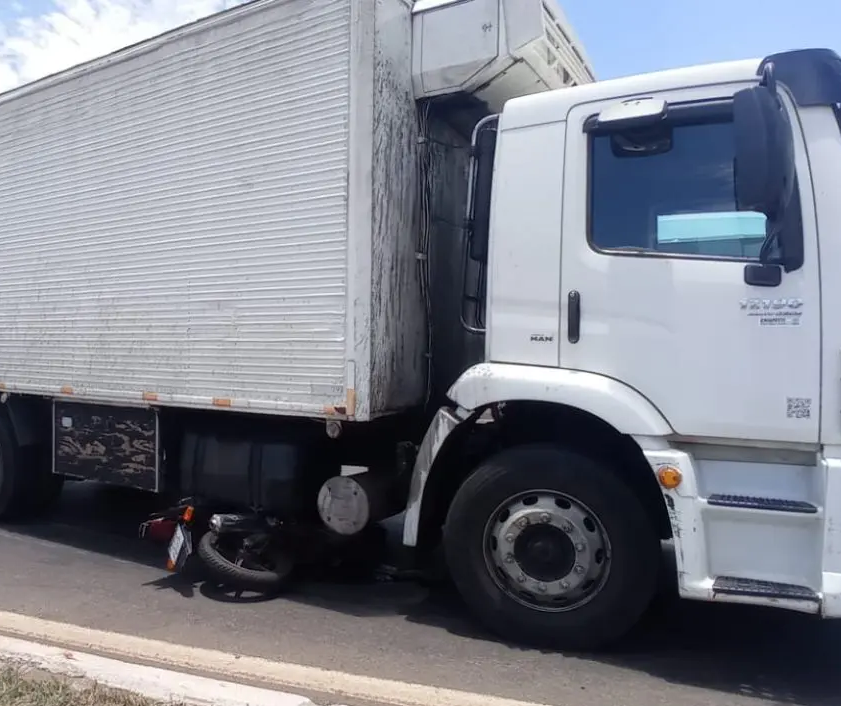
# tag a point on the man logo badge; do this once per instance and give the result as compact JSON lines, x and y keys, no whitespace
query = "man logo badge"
{"x":541,"y":338}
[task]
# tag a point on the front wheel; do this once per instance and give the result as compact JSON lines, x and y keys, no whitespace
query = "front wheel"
{"x":551,"y":548}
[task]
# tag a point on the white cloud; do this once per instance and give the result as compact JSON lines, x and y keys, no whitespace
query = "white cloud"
{"x":75,"y":31}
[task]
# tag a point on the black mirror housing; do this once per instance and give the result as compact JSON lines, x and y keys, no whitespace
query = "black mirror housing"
{"x":761,"y":275}
{"x":764,"y":169}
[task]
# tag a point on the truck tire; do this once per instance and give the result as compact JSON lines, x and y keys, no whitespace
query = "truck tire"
{"x":27,"y":487}
{"x":231,"y":574}
{"x":552,"y":549}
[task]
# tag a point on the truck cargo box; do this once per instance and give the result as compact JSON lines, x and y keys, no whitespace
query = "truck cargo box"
{"x":224,"y":216}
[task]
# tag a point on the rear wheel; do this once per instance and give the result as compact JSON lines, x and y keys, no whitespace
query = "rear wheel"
{"x":27,"y":487}
{"x":551,"y":548}
{"x":231,"y":563}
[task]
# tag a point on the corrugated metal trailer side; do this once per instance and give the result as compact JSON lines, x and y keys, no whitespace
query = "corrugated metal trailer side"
{"x":190,"y":221}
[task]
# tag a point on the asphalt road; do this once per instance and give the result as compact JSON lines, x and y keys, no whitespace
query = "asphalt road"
{"x":86,"y":567}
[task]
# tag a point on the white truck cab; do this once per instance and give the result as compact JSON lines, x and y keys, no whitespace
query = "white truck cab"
{"x":662,"y":354}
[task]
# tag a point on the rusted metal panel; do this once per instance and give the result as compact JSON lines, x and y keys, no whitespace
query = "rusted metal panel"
{"x":113,"y":445}
{"x":398,"y":326}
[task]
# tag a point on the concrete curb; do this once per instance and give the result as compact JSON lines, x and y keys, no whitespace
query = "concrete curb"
{"x":151,"y":682}
{"x":187,"y":659}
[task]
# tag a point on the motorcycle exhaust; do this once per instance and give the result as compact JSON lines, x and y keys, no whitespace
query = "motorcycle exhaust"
{"x":236,"y":524}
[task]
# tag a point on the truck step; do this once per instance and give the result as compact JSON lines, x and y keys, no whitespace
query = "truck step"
{"x":732,"y":586}
{"x":754,"y":503}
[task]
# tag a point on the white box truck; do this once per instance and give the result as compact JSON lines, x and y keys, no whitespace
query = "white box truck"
{"x":309,"y":263}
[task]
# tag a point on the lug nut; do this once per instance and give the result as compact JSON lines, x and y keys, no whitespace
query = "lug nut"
{"x":509,"y":558}
{"x":509,"y":538}
{"x":579,"y":569}
{"x":545,"y":518}
{"x":579,"y":547}
{"x":541,"y":587}
{"x":521,"y":578}
{"x":567,"y":527}
{"x":523,"y":522}
{"x":565,"y":585}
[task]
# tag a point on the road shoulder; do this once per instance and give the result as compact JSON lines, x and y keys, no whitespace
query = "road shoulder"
{"x":151,"y":667}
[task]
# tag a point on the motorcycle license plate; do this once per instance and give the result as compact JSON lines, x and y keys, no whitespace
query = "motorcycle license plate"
{"x":180,"y":547}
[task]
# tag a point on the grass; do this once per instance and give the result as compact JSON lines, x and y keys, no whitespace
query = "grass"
{"x":31,"y":688}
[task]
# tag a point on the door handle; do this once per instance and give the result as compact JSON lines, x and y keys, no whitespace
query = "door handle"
{"x":573,"y":316}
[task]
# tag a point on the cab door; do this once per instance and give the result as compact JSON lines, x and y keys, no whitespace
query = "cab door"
{"x":656,"y":292}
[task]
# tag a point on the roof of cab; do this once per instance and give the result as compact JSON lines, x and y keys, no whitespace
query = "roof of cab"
{"x":547,"y":107}
{"x":812,"y":76}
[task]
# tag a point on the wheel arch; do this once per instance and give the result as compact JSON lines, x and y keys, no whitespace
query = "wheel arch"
{"x":497,"y":426}
{"x":622,"y":407}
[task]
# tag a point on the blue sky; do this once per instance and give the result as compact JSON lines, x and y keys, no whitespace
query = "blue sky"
{"x":40,"y":37}
{"x":621,"y":36}
{"x":634,"y":36}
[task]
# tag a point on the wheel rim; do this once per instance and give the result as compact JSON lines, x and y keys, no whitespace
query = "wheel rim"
{"x":547,"y":551}
{"x":236,"y":554}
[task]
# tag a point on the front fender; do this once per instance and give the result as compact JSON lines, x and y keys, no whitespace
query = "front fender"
{"x":625,"y":409}
{"x":446,"y":421}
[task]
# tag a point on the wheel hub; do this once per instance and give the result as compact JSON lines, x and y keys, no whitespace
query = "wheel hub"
{"x":544,"y":552}
{"x":547,"y":550}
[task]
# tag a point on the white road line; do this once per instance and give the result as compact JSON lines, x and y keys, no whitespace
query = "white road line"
{"x":231,"y":667}
{"x":158,"y":684}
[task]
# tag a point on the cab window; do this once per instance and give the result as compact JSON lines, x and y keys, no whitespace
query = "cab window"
{"x":670,"y":193}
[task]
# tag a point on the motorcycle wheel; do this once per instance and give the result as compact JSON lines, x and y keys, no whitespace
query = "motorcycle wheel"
{"x":231,"y":565}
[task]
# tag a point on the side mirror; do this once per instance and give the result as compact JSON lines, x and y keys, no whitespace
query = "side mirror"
{"x":764,"y":173}
{"x":764,"y":168}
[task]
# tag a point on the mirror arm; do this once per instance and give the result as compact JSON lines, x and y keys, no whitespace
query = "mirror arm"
{"x":768,"y":79}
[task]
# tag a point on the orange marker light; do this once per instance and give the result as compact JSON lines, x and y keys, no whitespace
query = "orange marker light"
{"x":669,"y":477}
{"x":189,"y":512}
{"x":170,"y":565}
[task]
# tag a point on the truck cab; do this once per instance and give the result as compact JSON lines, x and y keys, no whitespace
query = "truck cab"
{"x":659,"y":333}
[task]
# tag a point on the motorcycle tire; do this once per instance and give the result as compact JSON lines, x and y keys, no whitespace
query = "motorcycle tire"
{"x":228,"y":573}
